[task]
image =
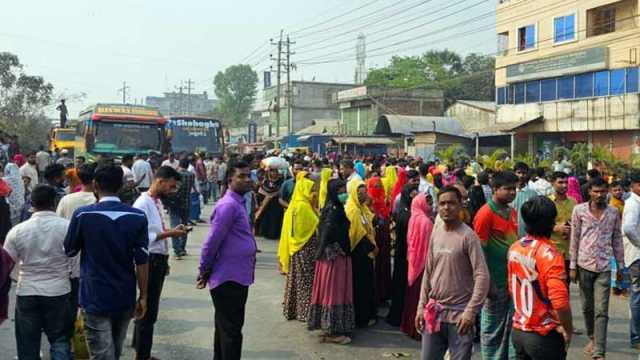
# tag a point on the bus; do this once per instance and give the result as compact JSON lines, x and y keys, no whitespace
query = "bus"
{"x":113,"y":130}
{"x":189,"y":134}
{"x":62,"y":138}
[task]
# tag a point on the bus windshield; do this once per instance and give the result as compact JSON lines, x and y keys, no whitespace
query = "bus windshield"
{"x":122,"y":138}
{"x":65,"y":136}
{"x":195,"y":138}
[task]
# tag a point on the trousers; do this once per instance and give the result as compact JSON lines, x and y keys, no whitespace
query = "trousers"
{"x":158,"y":265}
{"x":594,"y":294}
{"x":106,"y":333}
{"x":37,"y":313}
{"x":229,"y":301}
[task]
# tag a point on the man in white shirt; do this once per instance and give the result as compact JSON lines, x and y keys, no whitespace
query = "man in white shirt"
{"x":64,"y":159}
{"x":171,"y":161}
{"x":149,"y":202}
{"x":37,"y":246}
{"x":43,"y":159}
{"x":426,"y":187}
{"x":631,"y":240}
{"x":540,"y":184}
{"x":348,"y":173}
{"x":66,"y":207}
{"x":30,"y":170}
{"x":142,"y":172}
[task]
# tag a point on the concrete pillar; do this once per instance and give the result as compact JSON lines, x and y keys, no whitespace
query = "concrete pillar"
{"x":477,"y":147}
{"x":513,"y":145}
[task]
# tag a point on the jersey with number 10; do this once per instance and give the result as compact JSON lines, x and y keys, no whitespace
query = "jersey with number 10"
{"x":537,"y":284}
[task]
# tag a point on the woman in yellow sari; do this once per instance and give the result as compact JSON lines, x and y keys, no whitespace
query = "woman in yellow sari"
{"x":363,"y":250}
{"x":389,"y":179}
{"x":325,"y":176}
{"x":297,"y":249}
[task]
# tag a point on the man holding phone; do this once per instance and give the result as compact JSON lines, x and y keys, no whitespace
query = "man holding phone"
{"x":164,"y":184}
{"x":561,"y":234}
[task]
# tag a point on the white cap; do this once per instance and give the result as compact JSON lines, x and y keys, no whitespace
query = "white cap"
{"x":64,"y":151}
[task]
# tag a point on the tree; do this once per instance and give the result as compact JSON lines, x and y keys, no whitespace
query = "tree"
{"x":236,"y":90}
{"x":22,"y":101}
{"x":471,"y":78}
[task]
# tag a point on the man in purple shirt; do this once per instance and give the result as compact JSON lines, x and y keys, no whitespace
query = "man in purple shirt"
{"x":227,"y":262}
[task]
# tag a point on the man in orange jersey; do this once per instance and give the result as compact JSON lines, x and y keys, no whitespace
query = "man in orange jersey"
{"x":542,"y":324}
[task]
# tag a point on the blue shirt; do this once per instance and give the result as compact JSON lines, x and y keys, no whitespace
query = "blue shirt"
{"x":112,"y":237}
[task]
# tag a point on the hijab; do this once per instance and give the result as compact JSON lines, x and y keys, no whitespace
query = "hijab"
{"x":300,"y":221}
{"x":378,"y":198}
{"x":389,"y":179}
{"x":360,"y":217}
{"x":325,"y":175}
{"x":334,"y":226}
{"x":16,"y":197}
{"x":418,"y":236}
{"x":397,"y":188}
{"x":573,"y":190}
{"x":360,"y":169}
{"x":268,"y":186}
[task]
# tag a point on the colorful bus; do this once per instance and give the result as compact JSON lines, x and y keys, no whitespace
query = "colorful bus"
{"x":115,"y":129}
{"x":189,"y":134}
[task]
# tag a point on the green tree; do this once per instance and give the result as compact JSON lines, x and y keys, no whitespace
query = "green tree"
{"x":470,"y":78}
{"x":236,"y":90}
{"x":23,"y":98}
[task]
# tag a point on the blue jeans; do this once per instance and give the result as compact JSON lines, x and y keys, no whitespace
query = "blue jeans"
{"x":634,"y":302}
{"x":179,"y":243}
{"x":195,"y":206}
{"x":106,"y":333}
{"x":37,"y":313}
{"x":205,"y":189}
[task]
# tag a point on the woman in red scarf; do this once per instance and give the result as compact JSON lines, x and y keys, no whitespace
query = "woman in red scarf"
{"x":397,"y":188}
{"x":418,"y":236}
{"x":375,"y":189}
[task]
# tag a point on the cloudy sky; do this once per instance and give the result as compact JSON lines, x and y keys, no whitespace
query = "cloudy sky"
{"x":92,"y":46}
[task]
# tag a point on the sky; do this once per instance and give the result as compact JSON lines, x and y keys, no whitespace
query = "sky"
{"x":92,"y":46}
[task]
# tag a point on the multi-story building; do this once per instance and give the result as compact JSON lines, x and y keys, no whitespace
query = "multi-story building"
{"x":310,"y":100}
{"x":361,"y":107}
{"x":175,"y":103}
{"x":567,"y":72}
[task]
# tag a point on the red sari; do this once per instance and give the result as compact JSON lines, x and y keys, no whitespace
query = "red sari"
{"x":375,"y":189}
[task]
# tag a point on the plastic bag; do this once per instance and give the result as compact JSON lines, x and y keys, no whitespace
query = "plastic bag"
{"x":80,"y":349}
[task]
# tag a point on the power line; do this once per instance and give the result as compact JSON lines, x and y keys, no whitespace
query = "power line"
{"x":334,"y":17}
{"x":361,"y":18}
{"x":477,"y":18}
{"x":124,"y":90}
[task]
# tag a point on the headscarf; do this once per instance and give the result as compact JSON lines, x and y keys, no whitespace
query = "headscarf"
{"x":378,"y":198}
{"x":573,"y":191}
{"x":334,"y":226}
{"x":269,"y":187}
{"x":360,"y":217}
{"x":389,"y":179}
{"x":418,"y":236}
{"x":16,"y":197}
{"x":300,"y":221}
{"x":325,"y":175}
{"x":397,"y":188}
{"x":360,"y":169}
{"x":19,"y":159}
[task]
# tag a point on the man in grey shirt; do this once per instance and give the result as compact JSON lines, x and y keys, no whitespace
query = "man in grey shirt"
{"x":446,"y":314}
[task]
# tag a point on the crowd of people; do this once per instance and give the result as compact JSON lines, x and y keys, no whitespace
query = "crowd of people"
{"x":79,"y":236}
{"x":450,"y":253}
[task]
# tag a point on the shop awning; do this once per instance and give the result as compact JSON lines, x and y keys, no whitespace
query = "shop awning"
{"x":363,"y":140}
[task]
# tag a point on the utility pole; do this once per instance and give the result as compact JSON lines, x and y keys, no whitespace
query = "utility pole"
{"x":124,"y":90}
{"x":289,"y":93}
{"x":189,"y":107}
{"x":278,"y":68}
{"x":180,"y":100}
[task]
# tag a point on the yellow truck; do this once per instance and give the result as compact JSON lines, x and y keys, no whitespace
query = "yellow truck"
{"x":62,"y":138}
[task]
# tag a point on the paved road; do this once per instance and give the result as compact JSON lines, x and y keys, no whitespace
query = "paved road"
{"x":184,"y":328}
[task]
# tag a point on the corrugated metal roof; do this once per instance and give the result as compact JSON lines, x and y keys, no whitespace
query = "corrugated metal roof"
{"x":484,"y":105}
{"x":408,"y":125}
{"x":321,"y":127}
{"x":363,"y":140}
